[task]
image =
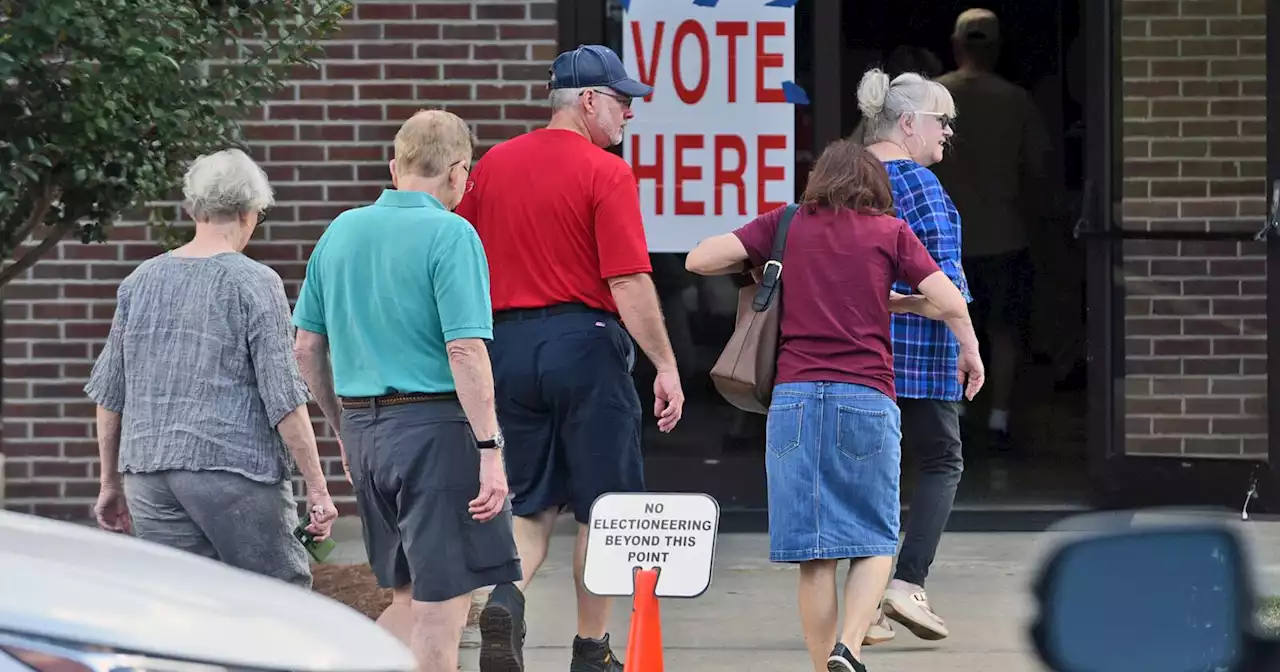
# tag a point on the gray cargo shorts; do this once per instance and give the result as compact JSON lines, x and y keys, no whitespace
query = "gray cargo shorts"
{"x":416,"y":468}
{"x":221,"y":515}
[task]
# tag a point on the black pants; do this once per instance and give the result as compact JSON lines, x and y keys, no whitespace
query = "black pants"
{"x":1001,"y":285}
{"x":931,"y":435}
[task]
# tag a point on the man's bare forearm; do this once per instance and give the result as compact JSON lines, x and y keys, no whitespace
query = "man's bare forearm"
{"x":473,"y":378}
{"x":300,"y":439}
{"x":313,"y":362}
{"x":638,"y":306}
{"x":109,"y":445}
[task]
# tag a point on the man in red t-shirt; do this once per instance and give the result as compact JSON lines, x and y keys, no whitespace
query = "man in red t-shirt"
{"x":559,"y":218}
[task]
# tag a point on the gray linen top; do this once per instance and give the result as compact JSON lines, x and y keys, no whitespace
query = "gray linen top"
{"x":200,"y":364}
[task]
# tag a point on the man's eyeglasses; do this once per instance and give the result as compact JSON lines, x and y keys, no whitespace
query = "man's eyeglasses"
{"x":624,"y":101}
{"x":470,"y":183}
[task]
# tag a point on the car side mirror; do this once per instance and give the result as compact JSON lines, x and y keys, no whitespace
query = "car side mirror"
{"x":1175,"y":599}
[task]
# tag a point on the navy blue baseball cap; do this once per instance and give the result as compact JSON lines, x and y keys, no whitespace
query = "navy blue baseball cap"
{"x":594,"y":65}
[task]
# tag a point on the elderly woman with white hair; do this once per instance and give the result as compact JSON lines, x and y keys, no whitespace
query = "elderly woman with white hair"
{"x":202,"y":411}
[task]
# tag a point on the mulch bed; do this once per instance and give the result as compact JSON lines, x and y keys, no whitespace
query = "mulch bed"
{"x":352,"y":585}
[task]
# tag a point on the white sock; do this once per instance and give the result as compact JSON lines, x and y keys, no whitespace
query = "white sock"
{"x":999,"y":420}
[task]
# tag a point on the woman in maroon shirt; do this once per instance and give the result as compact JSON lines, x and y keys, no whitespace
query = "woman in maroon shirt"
{"x":832,"y":455}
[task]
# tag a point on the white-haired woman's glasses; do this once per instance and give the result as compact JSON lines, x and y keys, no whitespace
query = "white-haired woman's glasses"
{"x":944,"y":119}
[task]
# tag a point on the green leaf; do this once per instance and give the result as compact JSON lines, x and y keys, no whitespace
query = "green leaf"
{"x":115,"y":100}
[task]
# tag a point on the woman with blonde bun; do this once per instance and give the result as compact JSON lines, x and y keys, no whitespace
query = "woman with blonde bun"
{"x":908,"y":123}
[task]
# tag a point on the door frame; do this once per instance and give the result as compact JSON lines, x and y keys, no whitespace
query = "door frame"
{"x":736,"y":480}
{"x":1127,"y":481}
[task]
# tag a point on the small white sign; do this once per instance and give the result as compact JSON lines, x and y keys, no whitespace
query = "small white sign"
{"x":673,"y":532}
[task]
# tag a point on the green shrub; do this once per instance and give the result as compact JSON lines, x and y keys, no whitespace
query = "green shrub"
{"x":105,"y":102}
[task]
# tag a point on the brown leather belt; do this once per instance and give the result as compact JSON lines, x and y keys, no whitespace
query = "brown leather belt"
{"x":396,"y":399}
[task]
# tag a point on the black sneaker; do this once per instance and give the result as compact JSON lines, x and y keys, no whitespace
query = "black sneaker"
{"x":594,"y":655}
{"x":842,"y":660}
{"x":1000,"y":441}
{"x":502,"y":631}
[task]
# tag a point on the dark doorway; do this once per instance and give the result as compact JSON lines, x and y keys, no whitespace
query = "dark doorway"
{"x":1048,"y":464}
{"x":719,"y":450}
{"x":716,"y":448}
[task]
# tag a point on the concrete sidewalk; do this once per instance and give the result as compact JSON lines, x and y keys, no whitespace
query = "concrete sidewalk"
{"x":748,"y":619}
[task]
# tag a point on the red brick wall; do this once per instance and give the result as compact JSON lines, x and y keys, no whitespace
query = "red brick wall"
{"x":1195,"y":141}
{"x":325,"y":142}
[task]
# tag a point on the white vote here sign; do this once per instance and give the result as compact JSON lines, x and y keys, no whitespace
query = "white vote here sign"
{"x":714,"y":145}
{"x":674,"y":533}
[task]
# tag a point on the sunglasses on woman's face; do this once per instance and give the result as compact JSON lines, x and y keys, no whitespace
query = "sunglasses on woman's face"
{"x":944,"y":120}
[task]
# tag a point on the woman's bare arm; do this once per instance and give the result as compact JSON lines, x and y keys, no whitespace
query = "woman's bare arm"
{"x":717,"y":255}
{"x":914,"y":304}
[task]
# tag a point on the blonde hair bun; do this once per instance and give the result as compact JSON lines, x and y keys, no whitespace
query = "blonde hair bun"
{"x":872,"y":91}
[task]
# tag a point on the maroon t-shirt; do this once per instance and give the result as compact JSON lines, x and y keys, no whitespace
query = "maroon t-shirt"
{"x":837,"y":269}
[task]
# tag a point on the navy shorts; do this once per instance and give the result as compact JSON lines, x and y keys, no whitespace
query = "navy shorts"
{"x":416,"y":469}
{"x":568,"y":407}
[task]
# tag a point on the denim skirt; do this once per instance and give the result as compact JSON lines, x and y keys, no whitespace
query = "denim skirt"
{"x":833,"y":458}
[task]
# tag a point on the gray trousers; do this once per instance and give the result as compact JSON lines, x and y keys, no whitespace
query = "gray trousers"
{"x":223,"y":516}
{"x":930,"y":435}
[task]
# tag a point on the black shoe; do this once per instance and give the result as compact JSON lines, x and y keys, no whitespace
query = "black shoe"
{"x":502,"y":631}
{"x":842,"y":660}
{"x":1000,"y":441}
{"x":594,"y":655}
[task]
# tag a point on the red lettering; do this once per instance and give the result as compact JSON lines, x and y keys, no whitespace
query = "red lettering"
{"x":652,"y":171}
{"x":650,"y":75}
{"x":687,"y":172}
{"x":731,"y":31}
{"x":767,"y":173}
{"x":687,"y":28}
{"x":765,"y":60}
{"x":733,"y":176}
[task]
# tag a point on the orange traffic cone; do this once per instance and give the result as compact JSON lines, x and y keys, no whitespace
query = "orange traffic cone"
{"x":644,"y":645}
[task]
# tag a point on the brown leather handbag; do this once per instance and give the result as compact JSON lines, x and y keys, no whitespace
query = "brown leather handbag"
{"x":746,"y":369}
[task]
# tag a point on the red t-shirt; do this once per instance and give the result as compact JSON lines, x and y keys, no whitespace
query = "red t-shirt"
{"x":837,"y":269}
{"x":558,"y":216}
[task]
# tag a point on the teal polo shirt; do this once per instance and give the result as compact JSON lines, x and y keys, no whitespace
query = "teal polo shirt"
{"x":390,"y":284}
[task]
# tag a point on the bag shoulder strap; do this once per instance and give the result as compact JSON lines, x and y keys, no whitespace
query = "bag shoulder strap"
{"x":772,"y":274}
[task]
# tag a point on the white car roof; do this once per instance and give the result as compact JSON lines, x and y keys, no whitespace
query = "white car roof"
{"x":84,"y":585}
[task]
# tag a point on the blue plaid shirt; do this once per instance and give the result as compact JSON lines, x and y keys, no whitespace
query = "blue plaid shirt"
{"x":925,"y":351}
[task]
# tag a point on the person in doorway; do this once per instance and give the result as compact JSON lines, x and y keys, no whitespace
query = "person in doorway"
{"x":202,"y":413}
{"x":560,"y":219}
{"x":909,"y":124}
{"x":392,"y":322}
{"x":996,"y":172}
{"x":833,"y":441}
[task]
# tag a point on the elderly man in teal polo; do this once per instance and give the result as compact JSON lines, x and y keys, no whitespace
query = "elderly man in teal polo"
{"x":393,"y":320}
